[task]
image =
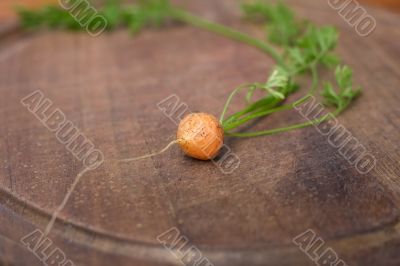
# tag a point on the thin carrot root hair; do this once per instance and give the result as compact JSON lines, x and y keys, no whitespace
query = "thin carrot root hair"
{"x":172,"y":143}
{"x":62,"y":205}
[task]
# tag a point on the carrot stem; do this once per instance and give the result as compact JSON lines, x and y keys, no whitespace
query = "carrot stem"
{"x":228,"y":32}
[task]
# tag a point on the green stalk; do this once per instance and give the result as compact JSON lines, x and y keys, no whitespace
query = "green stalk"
{"x":235,"y":91}
{"x":266,"y":102}
{"x":284,"y":129}
{"x":265,"y":106}
{"x":238,"y":123}
{"x":233,"y":34}
{"x":267,"y":111}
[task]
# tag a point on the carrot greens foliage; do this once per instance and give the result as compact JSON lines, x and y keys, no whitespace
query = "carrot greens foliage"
{"x":282,"y":28}
{"x":299,"y":48}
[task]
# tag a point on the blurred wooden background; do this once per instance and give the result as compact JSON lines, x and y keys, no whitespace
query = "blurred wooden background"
{"x":7,"y":6}
{"x":389,"y":4}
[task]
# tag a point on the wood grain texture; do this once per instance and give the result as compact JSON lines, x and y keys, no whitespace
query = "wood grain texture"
{"x":109,"y":87}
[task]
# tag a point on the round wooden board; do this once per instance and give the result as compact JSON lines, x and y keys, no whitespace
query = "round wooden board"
{"x":109,"y":87}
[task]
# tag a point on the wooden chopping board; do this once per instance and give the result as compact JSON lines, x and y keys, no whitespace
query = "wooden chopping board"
{"x":109,"y":87}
